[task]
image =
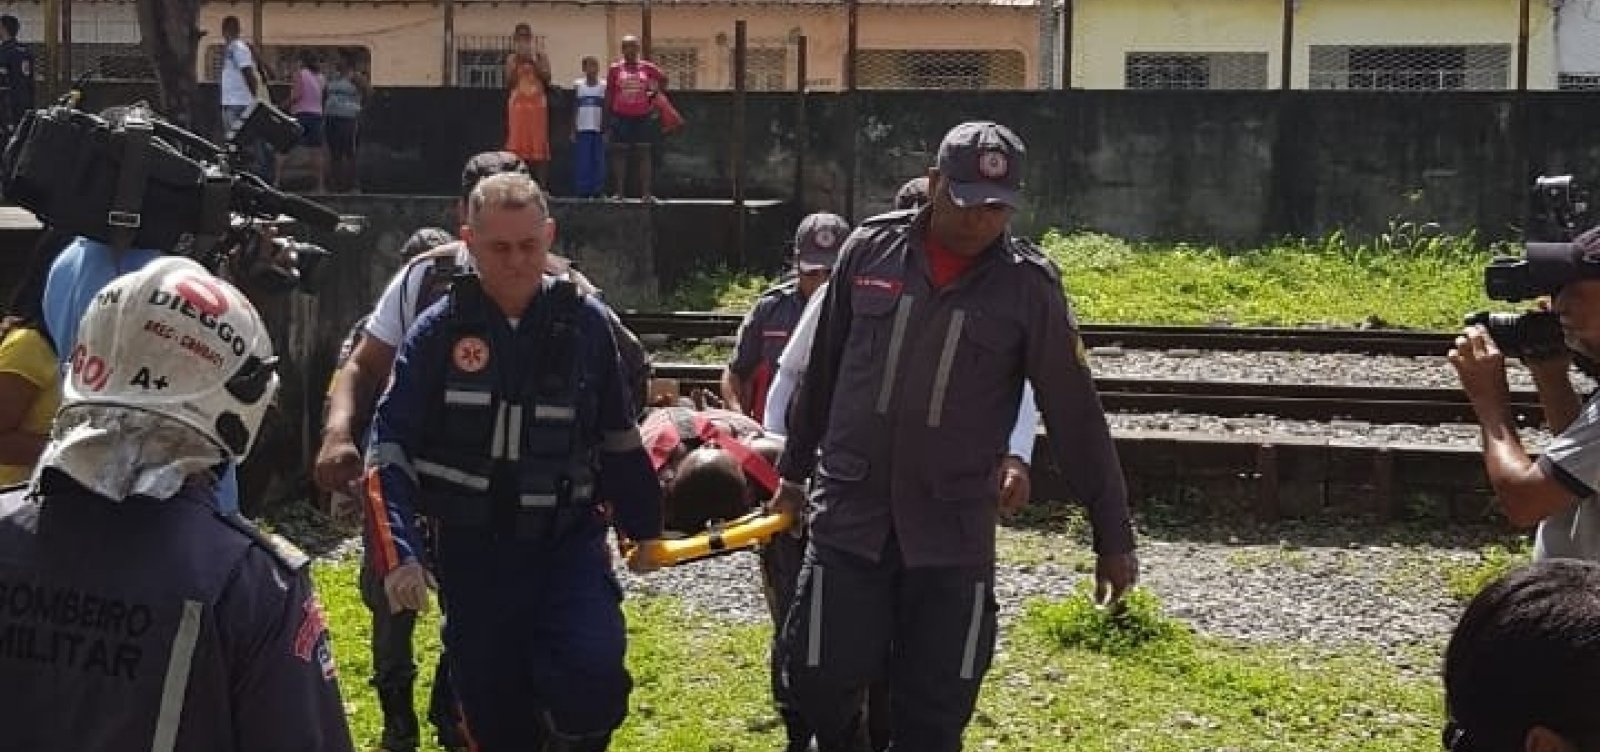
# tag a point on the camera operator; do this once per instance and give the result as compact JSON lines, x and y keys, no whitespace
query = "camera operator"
{"x":1558,"y":490}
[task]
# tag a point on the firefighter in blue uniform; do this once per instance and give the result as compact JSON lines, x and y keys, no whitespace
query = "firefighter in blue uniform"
{"x":505,"y":423}
{"x":133,"y":614}
{"x":16,"y":73}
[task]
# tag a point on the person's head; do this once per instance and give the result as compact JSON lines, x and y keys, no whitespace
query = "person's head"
{"x":308,"y":60}
{"x":1570,"y":274}
{"x":174,"y":341}
{"x":974,"y":187}
{"x":509,"y":232}
{"x":707,"y":484}
{"x":522,"y":38}
{"x":912,"y":195}
{"x":424,"y":240}
{"x":591,"y":67}
{"x":230,"y":27}
{"x":26,"y":306}
{"x":9,"y":27}
{"x":816,"y":248}
{"x":630,"y":48}
{"x":483,"y":165}
{"x":1522,"y":671}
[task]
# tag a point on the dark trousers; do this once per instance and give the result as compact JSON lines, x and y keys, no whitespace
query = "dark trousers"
{"x":932,"y":629}
{"x":394,"y":672}
{"x":536,"y":641}
{"x":589,"y":164}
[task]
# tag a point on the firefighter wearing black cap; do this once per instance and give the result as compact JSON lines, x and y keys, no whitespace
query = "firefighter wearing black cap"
{"x":928,"y":330}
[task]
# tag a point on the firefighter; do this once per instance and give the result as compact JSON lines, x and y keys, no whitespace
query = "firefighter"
{"x":504,"y":422}
{"x":766,"y":329}
{"x":136,"y":614}
{"x":934,"y":320}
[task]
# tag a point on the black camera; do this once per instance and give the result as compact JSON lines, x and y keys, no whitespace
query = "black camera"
{"x":1533,"y":335}
{"x":135,"y":180}
{"x":1550,"y":260}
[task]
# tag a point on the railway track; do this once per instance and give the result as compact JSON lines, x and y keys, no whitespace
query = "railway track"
{"x":709,"y":325}
{"x":1318,"y":402}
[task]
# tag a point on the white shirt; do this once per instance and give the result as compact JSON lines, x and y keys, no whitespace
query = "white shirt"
{"x":1574,"y":459}
{"x":796,"y":357}
{"x":396,"y":309}
{"x":591,"y":103}
{"x":235,"y":90}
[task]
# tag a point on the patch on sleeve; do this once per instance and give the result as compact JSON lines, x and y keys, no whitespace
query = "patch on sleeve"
{"x":311,"y":641}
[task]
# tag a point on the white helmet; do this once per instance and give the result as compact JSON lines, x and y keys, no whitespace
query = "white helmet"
{"x":173,"y":340}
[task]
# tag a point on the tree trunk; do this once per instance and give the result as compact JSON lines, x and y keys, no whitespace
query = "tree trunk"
{"x":170,"y":30}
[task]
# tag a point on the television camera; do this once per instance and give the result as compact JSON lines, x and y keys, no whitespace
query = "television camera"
{"x":1561,"y":212}
{"x":128,"y":178}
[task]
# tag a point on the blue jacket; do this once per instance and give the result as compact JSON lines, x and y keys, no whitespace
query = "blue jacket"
{"x":401,"y":423}
{"x":157,"y":624}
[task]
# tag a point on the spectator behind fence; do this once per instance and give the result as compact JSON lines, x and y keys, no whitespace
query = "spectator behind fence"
{"x":632,"y":84}
{"x":528,"y":107}
{"x":588,"y":132}
{"x":29,"y":392}
{"x":305,"y":103}
{"x":344,"y":97}
{"x":1522,"y":671}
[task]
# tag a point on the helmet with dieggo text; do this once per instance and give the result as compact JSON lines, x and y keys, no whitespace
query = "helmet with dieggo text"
{"x":173,"y":340}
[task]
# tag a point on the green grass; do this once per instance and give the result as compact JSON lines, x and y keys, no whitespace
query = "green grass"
{"x":1067,"y":677}
{"x":1493,"y":561}
{"x":1084,"y":679}
{"x":1411,"y":277}
{"x":718,"y":288}
{"x":1422,"y":283}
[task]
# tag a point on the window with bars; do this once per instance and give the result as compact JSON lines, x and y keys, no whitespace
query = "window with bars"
{"x":940,"y":69}
{"x":109,"y":61}
{"x":680,"y":63}
{"x":1410,"y":68}
{"x":766,"y":68}
{"x":1200,"y":70}
{"x":481,"y":59}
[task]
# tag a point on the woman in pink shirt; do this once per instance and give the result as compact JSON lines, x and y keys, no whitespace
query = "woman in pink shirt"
{"x":305,"y":103}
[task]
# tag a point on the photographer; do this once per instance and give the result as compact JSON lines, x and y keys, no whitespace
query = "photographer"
{"x":1558,"y":490}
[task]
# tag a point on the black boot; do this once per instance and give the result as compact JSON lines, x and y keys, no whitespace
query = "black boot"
{"x":400,"y":731}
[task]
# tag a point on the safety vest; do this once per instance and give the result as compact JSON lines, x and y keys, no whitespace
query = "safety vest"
{"x":509,"y":443}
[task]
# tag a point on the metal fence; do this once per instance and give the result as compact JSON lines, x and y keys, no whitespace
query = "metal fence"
{"x":1382,"y":45}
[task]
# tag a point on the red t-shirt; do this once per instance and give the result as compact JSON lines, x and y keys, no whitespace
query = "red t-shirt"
{"x":944,"y":265}
{"x":628,"y":87}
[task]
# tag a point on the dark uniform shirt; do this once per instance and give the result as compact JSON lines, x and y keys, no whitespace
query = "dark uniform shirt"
{"x":911,"y":393}
{"x":762,"y":337}
{"x":157,"y":625}
{"x":401,"y":421}
{"x":16,"y":76}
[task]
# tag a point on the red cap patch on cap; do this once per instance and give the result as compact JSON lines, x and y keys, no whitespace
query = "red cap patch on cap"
{"x":993,"y":165}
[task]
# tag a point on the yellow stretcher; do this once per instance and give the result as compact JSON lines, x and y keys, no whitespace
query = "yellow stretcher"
{"x":743,"y":533}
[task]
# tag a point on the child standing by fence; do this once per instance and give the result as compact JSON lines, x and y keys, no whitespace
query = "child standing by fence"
{"x":588,"y":131}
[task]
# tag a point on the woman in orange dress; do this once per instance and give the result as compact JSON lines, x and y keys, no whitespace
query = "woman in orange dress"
{"x":528,"y":108}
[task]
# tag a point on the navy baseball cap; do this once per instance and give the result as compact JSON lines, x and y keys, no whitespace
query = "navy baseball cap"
{"x":982,"y":161}
{"x":485,"y":164}
{"x":818,"y":239}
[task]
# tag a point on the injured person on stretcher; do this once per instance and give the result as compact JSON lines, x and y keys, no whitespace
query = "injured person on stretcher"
{"x":715,"y":466}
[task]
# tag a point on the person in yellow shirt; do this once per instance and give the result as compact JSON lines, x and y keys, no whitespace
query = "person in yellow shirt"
{"x":29,"y":377}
